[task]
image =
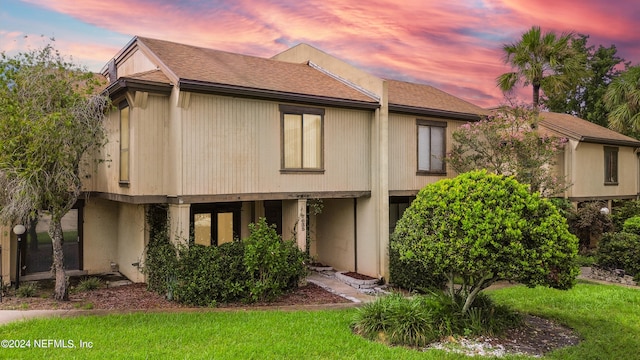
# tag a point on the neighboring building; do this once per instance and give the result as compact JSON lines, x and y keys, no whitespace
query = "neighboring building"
{"x":599,"y":163}
{"x":223,"y":139}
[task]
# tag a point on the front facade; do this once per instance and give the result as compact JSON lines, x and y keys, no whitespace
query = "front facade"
{"x":599,"y":164}
{"x":223,"y":139}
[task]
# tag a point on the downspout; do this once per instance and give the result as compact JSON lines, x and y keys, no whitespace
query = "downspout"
{"x":355,"y":234}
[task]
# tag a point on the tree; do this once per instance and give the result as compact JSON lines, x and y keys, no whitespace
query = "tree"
{"x":508,"y":143}
{"x":479,"y":228}
{"x":544,"y":61}
{"x":585,"y":98}
{"x":50,"y":120}
{"x":622,"y":99}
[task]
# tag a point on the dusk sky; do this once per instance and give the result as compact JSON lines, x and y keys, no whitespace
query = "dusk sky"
{"x":452,"y":45}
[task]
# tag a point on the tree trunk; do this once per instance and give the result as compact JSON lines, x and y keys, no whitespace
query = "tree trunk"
{"x":55,"y":232}
{"x":536,"y":95}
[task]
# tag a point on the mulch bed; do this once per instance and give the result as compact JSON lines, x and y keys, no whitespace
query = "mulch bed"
{"x":136,"y":297}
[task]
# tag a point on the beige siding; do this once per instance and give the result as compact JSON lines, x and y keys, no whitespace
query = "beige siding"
{"x":403,"y":152}
{"x":5,"y":242}
{"x":232,"y":146}
{"x":137,"y":62}
{"x":148,"y":142}
{"x":588,"y":172}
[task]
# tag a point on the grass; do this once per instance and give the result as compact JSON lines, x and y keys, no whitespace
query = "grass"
{"x":607,"y":317}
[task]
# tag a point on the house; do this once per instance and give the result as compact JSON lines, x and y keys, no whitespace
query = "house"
{"x":222,"y":139}
{"x":599,"y":163}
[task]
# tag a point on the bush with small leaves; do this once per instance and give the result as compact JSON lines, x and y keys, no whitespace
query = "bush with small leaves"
{"x":479,"y":228}
{"x":632,"y":225}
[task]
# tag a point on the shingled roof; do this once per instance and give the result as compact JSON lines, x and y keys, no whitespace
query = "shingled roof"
{"x":412,"y":97}
{"x":582,"y":130}
{"x":205,"y":69}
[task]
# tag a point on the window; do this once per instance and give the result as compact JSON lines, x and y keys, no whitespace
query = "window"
{"x":215,"y":224}
{"x":431,"y":146}
{"x":124,"y":142}
{"x":302,"y":137}
{"x":610,"y":165}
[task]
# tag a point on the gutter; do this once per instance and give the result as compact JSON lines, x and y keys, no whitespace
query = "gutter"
{"x":123,"y":84}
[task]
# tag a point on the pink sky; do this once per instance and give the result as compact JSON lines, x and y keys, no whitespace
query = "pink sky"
{"x":454,"y":45}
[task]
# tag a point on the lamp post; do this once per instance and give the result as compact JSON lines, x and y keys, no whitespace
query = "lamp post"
{"x":18,"y":230}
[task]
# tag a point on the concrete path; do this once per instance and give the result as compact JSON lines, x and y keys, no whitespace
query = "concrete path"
{"x":336,"y":286}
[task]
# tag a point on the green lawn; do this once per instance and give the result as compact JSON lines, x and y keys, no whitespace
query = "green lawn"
{"x":608,"y":317}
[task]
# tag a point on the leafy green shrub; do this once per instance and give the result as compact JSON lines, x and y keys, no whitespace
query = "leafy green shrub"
{"x":481,"y":228}
{"x":274,"y":265}
{"x":422,"y":319}
{"x":588,"y":223}
{"x":262,"y":267}
{"x":88,"y":284}
{"x":632,"y":225}
{"x":620,"y":250}
{"x":207,"y":275}
{"x":411,"y":274}
{"x":29,"y":289}
{"x":161,"y":255}
{"x":623,"y":210}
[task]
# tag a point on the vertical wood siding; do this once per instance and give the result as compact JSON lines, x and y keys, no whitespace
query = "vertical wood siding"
{"x":403,"y":152}
{"x":136,"y":63}
{"x":588,"y":172}
{"x":232,"y":146}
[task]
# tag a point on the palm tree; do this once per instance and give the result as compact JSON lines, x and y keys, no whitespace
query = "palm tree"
{"x":545,"y":61}
{"x":622,"y":99}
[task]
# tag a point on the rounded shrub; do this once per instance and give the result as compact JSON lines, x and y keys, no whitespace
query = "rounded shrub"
{"x":479,"y":228}
{"x":411,"y":274}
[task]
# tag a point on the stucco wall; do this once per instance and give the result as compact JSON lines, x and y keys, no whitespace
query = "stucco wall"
{"x":100,"y":243}
{"x":131,"y":240}
{"x":335,"y":241}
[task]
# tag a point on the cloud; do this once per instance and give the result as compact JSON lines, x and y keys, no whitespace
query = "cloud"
{"x":452,"y":45}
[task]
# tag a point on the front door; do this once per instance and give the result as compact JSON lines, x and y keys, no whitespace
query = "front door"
{"x":37,"y":249}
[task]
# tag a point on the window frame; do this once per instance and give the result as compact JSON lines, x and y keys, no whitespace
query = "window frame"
{"x":429,"y":124}
{"x":124,"y":180}
{"x":301,"y":110}
{"x":611,"y":153}
{"x":213,"y":209}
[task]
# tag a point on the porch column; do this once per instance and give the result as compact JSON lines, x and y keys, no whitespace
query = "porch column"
{"x":301,"y":228}
{"x":179,"y":220}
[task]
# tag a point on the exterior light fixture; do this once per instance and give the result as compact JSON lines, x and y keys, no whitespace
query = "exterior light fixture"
{"x":18,"y":230}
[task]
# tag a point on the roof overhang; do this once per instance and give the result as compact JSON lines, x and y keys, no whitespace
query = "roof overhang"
{"x":264,"y":94}
{"x":434,"y":112}
{"x":589,"y":139}
{"x":124,"y":84}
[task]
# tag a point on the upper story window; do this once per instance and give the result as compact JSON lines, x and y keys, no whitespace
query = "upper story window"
{"x":302,"y":138}
{"x":431,"y":146}
{"x":610,"y":165}
{"x":124,"y":142}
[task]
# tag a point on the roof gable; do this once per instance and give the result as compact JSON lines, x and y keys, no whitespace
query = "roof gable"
{"x":204,"y":66}
{"x":583,"y":130}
